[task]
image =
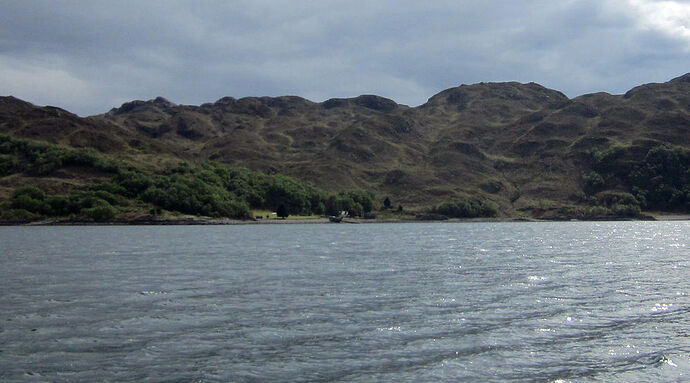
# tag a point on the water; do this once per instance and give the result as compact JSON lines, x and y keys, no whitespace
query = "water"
{"x":503,"y":302}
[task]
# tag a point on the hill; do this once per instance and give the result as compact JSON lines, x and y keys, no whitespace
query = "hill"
{"x":531,"y":151}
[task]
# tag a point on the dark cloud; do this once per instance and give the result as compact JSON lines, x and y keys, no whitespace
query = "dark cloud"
{"x":90,"y":56}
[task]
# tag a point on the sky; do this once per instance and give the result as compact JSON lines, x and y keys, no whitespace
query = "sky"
{"x":91,"y":55}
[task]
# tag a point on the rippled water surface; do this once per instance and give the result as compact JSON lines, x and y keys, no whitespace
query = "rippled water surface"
{"x":364,"y":303}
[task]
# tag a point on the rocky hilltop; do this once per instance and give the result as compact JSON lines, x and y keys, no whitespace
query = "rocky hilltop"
{"x":531,"y":150}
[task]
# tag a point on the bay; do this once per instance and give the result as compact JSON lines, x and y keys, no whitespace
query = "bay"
{"x":445,"y":302}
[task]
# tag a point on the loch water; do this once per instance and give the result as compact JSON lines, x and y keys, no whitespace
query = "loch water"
{"x":441,"y":302}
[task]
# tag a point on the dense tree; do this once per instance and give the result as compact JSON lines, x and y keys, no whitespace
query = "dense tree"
{"x":467,"y":209}
{"x":282,"y":212}
{"x":659,"y":180}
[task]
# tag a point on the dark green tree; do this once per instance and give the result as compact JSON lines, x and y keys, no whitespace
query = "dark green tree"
{"x":282,"y":211}
{"x":387,"y":203}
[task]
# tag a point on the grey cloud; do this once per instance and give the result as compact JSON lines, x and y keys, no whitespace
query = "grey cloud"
{"x":97,"y":54}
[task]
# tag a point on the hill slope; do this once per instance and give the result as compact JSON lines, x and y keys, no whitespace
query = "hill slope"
{"x":531,"y":150}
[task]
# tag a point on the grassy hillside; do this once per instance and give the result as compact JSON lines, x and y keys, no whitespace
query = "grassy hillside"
{"x":509,"y":148}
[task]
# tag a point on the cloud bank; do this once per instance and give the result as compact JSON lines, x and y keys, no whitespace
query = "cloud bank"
{"x":90,"y":56}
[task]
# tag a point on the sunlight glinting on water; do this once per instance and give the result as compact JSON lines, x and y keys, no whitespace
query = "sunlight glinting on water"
{"x":358,"y":303}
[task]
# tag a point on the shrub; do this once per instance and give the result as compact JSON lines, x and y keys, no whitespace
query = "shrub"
{"x":30,"y":198}
{"x":101,"y":211}
{"x":111,"y":187}
{"x":624,"y":210}
{"x":30,"y":191}
{"x":134,"y":182}
{"x":343,"y":202}
{"x":89,"y":157}
{"x":45,"y":163}
{"x":593,"y":182}
{"x":7,"y":164}
{"x":364,"y":198}
{"x":19,"y":215}
{"x":59,"y":205}
{"x":598,"y":211}
{"x":467,"y":209}
{"x":610,"y":198}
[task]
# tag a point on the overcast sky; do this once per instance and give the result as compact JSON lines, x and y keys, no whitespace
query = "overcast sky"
{"x":88,"y":56}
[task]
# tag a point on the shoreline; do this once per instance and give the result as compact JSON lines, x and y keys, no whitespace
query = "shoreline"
{"x":226,"y":221}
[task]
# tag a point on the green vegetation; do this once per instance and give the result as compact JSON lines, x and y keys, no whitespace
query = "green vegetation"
{"x":602,"y":205}
{"x":30,"y":202}
{"x":39,"y":159}
{"x":467,"y":209}
{"x":356,"y":203}
{"x":531,"y":150}
{"x":198,"y":192}
{"x":592,"y":157}
{"x":282,"y":212}
{"x":621,"y":182}
{"x":659,"y":180}
{"x":208,"y":189}
{"x":593,"y":182}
